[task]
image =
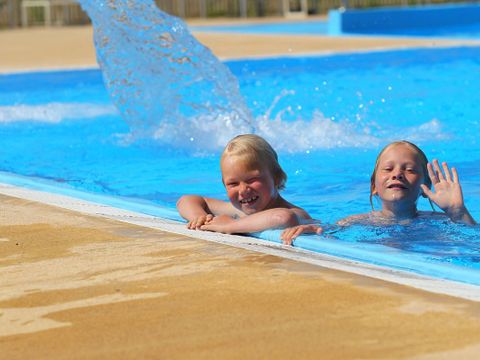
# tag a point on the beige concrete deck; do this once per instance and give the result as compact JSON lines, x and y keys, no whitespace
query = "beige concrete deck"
{"x":75,"y":286}
{"x":73,"y":46}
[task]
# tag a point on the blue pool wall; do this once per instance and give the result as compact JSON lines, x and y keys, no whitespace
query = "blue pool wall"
{"x":397,"y":18}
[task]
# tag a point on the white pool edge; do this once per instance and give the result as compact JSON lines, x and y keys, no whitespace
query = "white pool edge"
{"x":430,"y":284}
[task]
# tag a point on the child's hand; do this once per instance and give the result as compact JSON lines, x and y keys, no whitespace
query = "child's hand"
{"x":291,"y":233}
{"x":219,"y":224}
{"x":447,"y":194}
{"x":196,"y":223}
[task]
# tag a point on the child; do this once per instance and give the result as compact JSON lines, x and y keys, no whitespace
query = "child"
{"x":252,"y":178}
{"x":402,"y":173}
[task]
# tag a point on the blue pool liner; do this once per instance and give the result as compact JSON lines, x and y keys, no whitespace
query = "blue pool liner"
{"x":367,"y":253}
{"x":378,"y":21}
{"x":379,"y":255}
{"x":114,"y":201}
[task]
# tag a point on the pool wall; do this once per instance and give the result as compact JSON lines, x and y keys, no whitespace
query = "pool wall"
{"x":397,"y":18}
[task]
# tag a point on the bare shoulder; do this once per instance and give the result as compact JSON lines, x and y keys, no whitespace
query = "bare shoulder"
{"x":300,"y":213}
{"x":354,"y":219}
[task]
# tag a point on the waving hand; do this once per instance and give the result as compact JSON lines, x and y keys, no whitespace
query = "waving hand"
{"x":447,"y":192}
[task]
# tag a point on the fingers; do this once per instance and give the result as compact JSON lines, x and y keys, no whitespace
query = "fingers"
{"x":437,"y":175}
{"x":428,"y":193}
{"x":290,"y":234}
{"x":438,"y":172}
{"x":446,"y":171}
{"x":455,"y":175}
{"x":197,"y":223}
{"x":207,"y":228}
{"x":431,"y":174}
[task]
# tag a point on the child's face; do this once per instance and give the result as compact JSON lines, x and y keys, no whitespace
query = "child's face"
{"x":399,"y":175}
{"x":249,"y":189}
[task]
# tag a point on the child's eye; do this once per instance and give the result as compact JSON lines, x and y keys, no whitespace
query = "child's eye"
{"x":232,"y":184}
{"x":252,"y":180}
{"x":411,"y":170}
{"x":387,"y":169}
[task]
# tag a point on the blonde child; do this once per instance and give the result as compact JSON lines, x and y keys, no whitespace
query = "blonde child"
{"x":252,"y":178}
{"x":401,"y":175}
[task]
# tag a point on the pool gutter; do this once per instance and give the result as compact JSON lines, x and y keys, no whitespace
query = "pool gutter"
{"x":426,"y":283}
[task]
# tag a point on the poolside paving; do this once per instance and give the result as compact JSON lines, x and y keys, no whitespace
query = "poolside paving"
{"x":73,"y":46}
{"x":77,"y":286}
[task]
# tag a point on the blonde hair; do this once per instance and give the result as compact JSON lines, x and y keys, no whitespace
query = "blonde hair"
{"x":420,"y":154}
{"x":256,"y":152}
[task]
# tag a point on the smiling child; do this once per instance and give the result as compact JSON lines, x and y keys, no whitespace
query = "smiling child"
{"x":401,"y":175}
{"x":253,"y":179}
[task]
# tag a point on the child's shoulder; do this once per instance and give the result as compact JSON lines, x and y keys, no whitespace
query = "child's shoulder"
{"x":297,"y":210}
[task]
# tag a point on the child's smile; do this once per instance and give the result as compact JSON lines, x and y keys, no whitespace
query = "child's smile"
{"x":399,"y":175}
{"x":397,"y":186}
{"x":249,"y":201}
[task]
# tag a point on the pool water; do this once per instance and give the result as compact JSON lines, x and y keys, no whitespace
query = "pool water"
{"x":314,"y":28}
{"x":327,"y":116}
{"x":320,"y":28}
{"x":467,"y":31}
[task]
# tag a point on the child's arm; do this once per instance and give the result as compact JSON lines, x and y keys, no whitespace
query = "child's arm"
{"x":277,"y":218}
{"x":447,"y":194}
{"x":200,"y":210}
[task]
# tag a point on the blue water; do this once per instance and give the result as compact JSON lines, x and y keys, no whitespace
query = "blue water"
{"x":468,"y":31}
{"x":315,"y":28}
{"x":327,"y":117}
{"x":320,"y":28}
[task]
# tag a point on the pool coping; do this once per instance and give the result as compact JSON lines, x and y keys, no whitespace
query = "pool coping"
{"x":422,"y":282}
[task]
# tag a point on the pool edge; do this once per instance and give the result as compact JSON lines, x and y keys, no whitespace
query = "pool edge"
{"x":421,"y":282}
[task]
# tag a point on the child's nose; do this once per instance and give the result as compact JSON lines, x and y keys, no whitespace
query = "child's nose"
{"x":243,"y":187}
{"x":397,"y":174}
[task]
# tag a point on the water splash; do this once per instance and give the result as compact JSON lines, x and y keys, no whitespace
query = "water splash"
{"x":159,"y":75}
{"x":318,"y":132}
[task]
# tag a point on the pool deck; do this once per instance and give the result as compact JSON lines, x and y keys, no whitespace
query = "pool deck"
{"x":79,"y":286}
{"x":73,"y":46}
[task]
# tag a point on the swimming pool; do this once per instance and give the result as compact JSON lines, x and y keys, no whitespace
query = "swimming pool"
{"x":326,"y":115}
{"x":320,"y":28}
{"x":439,"y":20}
{"x":454,"y":20}
{"x":311,"y":27}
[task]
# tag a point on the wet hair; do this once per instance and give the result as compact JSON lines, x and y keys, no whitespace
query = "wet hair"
{"x":256,"y":152}
{"x":418,"y":152}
